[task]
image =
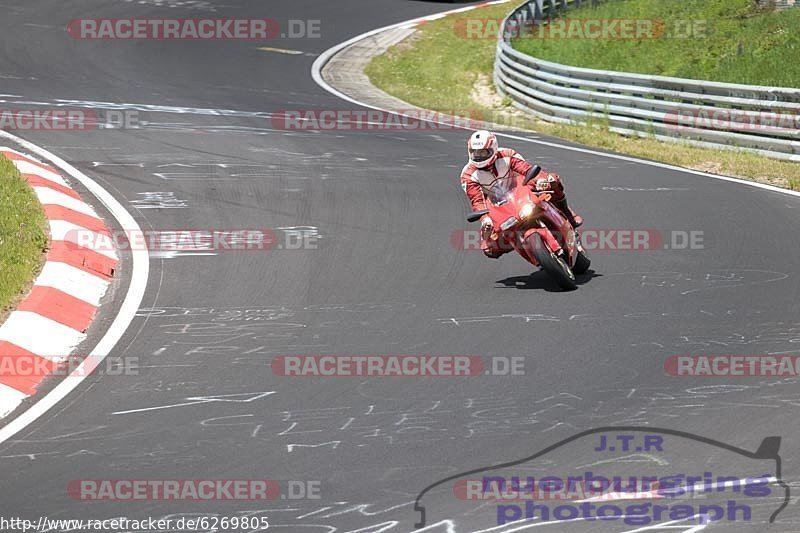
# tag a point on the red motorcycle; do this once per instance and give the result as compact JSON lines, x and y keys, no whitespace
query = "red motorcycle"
{"x":535,"y":228}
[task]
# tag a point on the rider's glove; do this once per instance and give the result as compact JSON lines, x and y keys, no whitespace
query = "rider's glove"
{"x":486,"y":222}
{"x":486,"y":226}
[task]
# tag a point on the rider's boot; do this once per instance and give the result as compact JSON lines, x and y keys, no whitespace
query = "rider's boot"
{"x":575,"y":219}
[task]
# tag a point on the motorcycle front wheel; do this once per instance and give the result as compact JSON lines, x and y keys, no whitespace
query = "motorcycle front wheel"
{"x":554,"y":265}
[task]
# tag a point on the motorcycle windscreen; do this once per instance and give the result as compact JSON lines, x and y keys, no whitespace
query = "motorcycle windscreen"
{"x":500,"y":190}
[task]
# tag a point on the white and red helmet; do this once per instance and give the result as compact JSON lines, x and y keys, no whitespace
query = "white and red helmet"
{"x":482,"y":148}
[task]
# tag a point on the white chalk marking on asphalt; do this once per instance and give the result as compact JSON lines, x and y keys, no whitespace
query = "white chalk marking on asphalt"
{"x":670,"y":525}
{"x":151,"y":108}
{"x":521,"y":525}
{"x":74,"y":281}
{"x":96,"y":164}
{"x":449,"y":526}
{"x":652,"y":189}
{"x":197,"y":400}
{"x":281,"y":50}
{"x":172,"y":254}
{"x":159,"y":200}
{"x":140,"y":271}
{"x":324,"y":57}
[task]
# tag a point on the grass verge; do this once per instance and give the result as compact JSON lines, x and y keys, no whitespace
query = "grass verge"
{"x":719,"y":40}
{"x":23,"y":239}
{"x":437,"y":68}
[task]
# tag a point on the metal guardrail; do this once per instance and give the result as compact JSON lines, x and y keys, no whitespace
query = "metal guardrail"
{"x":779,"y":4}
{"x":765,"y":120}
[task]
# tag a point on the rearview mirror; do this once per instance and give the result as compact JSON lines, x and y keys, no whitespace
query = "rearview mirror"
{"x":532,"y":173}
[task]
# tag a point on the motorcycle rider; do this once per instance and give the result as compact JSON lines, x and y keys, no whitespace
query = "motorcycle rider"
{"x":488,"y":162}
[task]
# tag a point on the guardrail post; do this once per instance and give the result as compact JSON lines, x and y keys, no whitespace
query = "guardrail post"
{"x":551,"y":8}
{"x":512,"y":24}
{"x":524,"y":12}
{"x":538,"y":9}
{"x":520,"y":19}
{"x":530,"y":7}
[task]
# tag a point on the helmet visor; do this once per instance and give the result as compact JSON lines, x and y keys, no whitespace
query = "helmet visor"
{"x":482,"y":154}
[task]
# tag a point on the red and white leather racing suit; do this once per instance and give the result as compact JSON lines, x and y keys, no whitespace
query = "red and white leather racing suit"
{"x":474,"y":179}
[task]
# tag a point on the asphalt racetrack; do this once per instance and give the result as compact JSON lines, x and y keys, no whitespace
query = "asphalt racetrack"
{"x":379,"y":274}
